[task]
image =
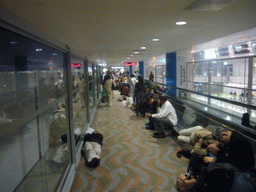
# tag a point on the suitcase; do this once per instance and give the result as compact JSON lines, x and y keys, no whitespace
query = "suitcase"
{"x":185,"y":183}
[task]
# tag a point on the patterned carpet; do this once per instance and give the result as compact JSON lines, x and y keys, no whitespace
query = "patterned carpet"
{"x":131,"y":159}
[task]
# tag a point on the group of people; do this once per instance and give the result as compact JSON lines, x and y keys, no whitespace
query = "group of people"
{"x":219,"y":159}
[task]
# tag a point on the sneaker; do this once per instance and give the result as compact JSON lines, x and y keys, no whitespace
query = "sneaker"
{"x":159,"y":135}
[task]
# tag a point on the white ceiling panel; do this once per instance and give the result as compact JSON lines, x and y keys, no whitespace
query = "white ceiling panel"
{"x":114,"y":29}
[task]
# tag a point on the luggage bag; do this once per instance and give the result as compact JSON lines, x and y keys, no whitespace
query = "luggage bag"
{"x":186,"y":181}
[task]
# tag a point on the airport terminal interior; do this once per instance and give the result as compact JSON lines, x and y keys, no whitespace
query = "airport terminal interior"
{"x":53,"y":58}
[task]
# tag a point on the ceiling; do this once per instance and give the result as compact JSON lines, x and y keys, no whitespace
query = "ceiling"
{"x":111,"y":30}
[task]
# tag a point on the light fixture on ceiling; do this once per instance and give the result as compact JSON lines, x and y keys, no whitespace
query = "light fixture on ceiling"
{"x":155,"y":39}
{"x":128,"y":57}
{"x":39,"y":50}
{"x":181,"y":23}
{"x":143,"y":47}
{"x":136,"y":52}
{"x":131,"y":55}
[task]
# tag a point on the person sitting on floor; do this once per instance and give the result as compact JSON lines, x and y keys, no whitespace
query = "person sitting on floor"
{"x":238,"y":157}
{"x":143,"y":106}
{"x":92,"y":147}
{"x":196,"y":140}
{"x":166,"y":118}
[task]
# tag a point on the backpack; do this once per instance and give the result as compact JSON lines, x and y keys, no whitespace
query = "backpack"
{"x":125,"y":90}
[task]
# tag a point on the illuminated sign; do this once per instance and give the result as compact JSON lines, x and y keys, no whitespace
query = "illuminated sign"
{"x":130,"y":63}
{"x":75,"y":65}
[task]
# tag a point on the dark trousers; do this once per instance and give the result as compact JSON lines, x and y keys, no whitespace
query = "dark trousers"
{"x":160,"y":124}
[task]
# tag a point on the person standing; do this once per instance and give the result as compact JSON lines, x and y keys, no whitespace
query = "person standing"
{"x":136,"y":74}
{"x":133,"y":81}
{"x":151,"y":76}
{"x":107,"y":85}
{"x":139,"y":91}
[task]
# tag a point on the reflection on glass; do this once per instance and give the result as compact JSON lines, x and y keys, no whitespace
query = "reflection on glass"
{"x":52,"y":156}
{"x":31,"y":77}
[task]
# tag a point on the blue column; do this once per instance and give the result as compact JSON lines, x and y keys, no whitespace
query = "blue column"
{"x":141,"y":68}
{"x":171,"y":72}
{"x":130,"y":71}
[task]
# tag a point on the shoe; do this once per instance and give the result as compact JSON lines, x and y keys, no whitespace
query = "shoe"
{"x":160,"y":135}
{"x":94,"y":163}
{"x":179,"y":154}
{"x":149,"y":127}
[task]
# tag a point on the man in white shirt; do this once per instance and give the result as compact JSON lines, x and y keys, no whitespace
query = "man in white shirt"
{"x":166,"y":118}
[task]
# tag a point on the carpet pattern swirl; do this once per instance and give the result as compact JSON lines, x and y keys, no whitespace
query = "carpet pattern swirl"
{"x":131,"y":159}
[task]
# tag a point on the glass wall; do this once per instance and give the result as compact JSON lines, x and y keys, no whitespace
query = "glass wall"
{"x":37,"y":118}
{"x":91,"y":86}
{"x":78,"y":96}
{"x":229,"y":79}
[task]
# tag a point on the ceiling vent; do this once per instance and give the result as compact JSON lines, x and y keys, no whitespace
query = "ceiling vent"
{"x":208,"y":5}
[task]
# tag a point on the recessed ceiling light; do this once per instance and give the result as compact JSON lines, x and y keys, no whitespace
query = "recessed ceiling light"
{"x":143,"y":47}
{"x":128,"y":57}
{"x":155,"y":39}
{"x":54,"y":54}
{"x":181,"y":23}
{"x":131,"y":55}
{"x":136,"y":52}
{"x":39,"y":49}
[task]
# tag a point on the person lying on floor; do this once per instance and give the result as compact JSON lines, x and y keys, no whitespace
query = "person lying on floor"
{"x":196,"y":139}
{"x":92,"y":147}
{"x":166,"y":118}
{"x":238,"y":156}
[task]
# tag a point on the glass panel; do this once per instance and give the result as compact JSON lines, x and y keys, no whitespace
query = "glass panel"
{"x":53,"y":154}
{"x":241,"y":48}
{"x":31,"y":78}
{"x":90,"y":78}
{"x":79,"y":89}
{"x":254,"y":46}
{"x":159,"y":74}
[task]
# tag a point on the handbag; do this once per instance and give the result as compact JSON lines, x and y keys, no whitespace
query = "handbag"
{"x":185,"y":183}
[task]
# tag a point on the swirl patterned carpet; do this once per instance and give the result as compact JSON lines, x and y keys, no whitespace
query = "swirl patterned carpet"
{"x":131,"y":159}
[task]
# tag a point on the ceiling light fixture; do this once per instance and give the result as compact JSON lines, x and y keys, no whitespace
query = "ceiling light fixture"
{"x":136,"y":52}
{"x":131,"y":55}
{"x":155,"y":39}
{"x":143,"y":47}
{"x":181,"y":23}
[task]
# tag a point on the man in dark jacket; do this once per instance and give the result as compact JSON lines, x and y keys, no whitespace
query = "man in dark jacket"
{"x":92,"y":148}
{"x":237,"y":156}
{"x":238,"y":151}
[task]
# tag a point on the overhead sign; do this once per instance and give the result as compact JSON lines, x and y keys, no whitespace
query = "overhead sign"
{"x":130,"y":63}
{"x":75,"y":65}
